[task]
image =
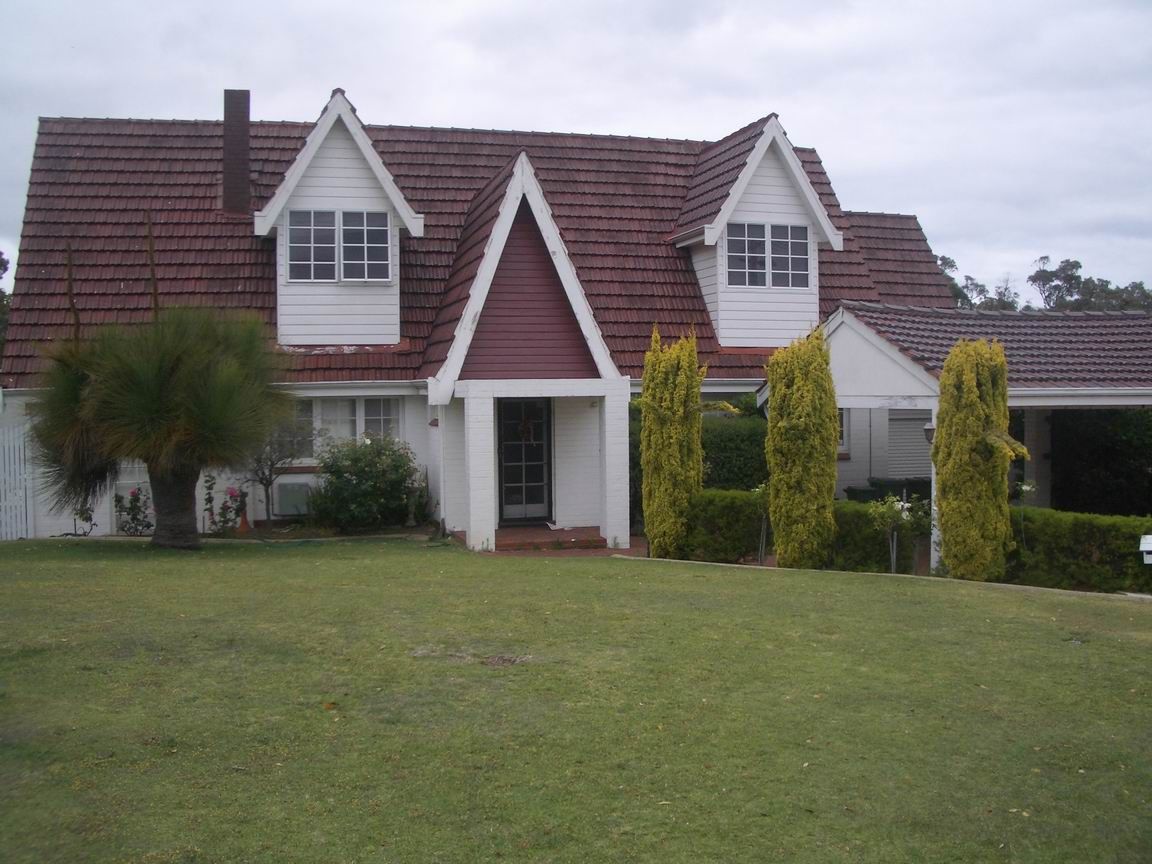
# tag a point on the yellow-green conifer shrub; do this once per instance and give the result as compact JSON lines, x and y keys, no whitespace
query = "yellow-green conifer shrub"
{"x":670,"y":447}
{"x":801,"y":443}
{"x":972,"y":452}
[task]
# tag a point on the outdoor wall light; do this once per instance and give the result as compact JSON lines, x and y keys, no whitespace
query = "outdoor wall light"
{"x":929,"y":431}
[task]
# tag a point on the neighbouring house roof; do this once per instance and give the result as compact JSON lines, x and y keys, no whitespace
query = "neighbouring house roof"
{"x":615,"y":201}
{"x":1044,"y":349}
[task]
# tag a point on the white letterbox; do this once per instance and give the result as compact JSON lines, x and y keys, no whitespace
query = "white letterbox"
{"x":1146,"y":548}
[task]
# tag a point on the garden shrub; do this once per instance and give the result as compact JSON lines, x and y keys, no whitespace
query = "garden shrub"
{"x":725,"y":525}
{"x":803,"y":436}
{"x":365,"y":484}
{"x":670,"y":450}
{"x":1081,"y":551}
{"x":972,"y":452}
{"x":734,"y":452}
{"x":862,"y":546}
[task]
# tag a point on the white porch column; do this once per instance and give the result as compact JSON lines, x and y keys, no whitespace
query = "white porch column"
{"x":1038,"y":468}
{"x":480,"y":469}
{"x":614,"y":520}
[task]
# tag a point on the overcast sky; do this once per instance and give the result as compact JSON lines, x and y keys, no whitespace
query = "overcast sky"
{"x":1012,"y":129}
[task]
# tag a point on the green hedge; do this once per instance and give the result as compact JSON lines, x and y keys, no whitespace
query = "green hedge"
{"x":862,"y":547}
{"x":733,"y":457}
{"x":1082,"y":551}
{"x":734,"y":452}
{"x":725,"y":525}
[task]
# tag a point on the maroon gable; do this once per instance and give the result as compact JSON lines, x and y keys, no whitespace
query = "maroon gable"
{"x":527,"y":328}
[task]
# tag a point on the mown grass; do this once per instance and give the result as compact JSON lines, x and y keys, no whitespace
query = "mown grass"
{"x":336,"y":702}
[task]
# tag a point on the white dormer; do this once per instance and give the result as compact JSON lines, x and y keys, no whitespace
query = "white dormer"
{"x":337,"y":218}
{"x":758,"y":260}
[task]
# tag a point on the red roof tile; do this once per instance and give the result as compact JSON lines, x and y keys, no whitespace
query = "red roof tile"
{"x":615,"y":201}
{"x":1044,"y":349}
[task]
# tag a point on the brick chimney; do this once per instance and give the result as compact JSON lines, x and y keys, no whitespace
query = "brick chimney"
{"x":237,"y":189}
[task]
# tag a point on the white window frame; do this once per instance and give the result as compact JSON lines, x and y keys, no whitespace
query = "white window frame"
{"x":842,"y":444}
{"x":311,"y":245}
{"x":361,"y":416}
{"x":339,"y":250}
{"x":770,"y":270}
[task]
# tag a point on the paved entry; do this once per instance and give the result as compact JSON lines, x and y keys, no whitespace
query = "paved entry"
{"x":525,"y":443}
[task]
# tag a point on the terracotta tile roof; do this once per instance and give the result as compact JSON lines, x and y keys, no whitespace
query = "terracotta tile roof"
{"x":716,"y":169}
{"x":615,"y":201}
{"x":1044,"y":349}
{"x":902,"y":265}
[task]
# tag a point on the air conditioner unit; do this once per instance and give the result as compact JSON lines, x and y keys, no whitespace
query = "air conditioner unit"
{"x":1146,"y":548}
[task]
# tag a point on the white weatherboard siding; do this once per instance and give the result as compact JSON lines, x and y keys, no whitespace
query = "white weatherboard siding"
{"x":767,"y":317}
{"x":338,"y":313}
{"x":577,"y":492}
{"x":704,"y":261}
{"x":909,"y":453}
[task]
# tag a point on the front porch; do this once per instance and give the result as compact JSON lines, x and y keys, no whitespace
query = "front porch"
{"x":519,"y":456}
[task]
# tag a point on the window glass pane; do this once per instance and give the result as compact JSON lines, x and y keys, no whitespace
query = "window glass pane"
{"x":799,"y":280}
{"x":324,"y":271}
{"x":365,"y":244}
{"x":338,"y":418}
{"x":377,"y":220}
{"x":736,"y":262}
{"x":779,"y":232}
{"x":756,"y":231}
{"x":756,"y":278}
{"x":756,"y":247}
{"x":353,"y":235}
{"x":780,"y":280}
{"x":353,"y":253}
{"x":800,"y":265}
{"x":377,"y":253}
{"x":779,"y":247}
{"x":736,"y":229}
{"x":737,"y":246}
{"x":755,"y":262}
{"x":353,"y":220}
{"x":325,"y":218}
{"x":299,"y":271}
{"x":780,"y":264}
{"x":737,"y":277}
{"x":299,"y":235}
{"x":799,"y":248}
{"x":304,"y":431}
{"x":353,"y":271}
{"x":324,"y":236}
{"x":300,"y":217}
{"x":378,"y":235}
{"x":799,"y":232}
{"x":323,"y":253}
{"x":378,"y":271}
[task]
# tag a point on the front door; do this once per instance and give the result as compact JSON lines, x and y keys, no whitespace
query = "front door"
{"x":525,"y":442}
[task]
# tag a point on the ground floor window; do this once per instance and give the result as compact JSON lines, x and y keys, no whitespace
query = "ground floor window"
{"x":332,"y":419}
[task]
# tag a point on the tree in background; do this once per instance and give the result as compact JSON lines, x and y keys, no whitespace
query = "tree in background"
{"x":5,"y":302}
{"x":189,"y":391}
{"x":1062,"y":287}
{"x":803,"y":433}
{"x":972,"y":452}
{"x":670,"y":448}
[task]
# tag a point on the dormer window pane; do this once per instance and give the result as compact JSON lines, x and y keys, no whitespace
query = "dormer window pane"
{"x":312,"y":245}
{"x":750,"y":266}
{"x":365,"y":245}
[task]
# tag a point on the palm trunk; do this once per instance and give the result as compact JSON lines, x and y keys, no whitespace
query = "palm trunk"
{"x":174,"y":498}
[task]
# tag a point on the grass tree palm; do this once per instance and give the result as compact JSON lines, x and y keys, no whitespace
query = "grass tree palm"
{"x":192,"y":390}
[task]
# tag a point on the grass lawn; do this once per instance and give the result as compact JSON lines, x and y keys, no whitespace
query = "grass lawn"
{"x":339,"y":702}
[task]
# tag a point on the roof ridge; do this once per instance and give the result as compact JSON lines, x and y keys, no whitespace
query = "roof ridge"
{"x":996,"y":313}
{"x":880,"y":213}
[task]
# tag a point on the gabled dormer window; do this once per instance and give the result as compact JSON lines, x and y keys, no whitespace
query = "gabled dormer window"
{"x":363,"y":253}
{"x":751,"y":265}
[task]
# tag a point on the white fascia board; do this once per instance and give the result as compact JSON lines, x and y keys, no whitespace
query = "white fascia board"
{"x":522,"y":184}
{"x":774,"y":133}
{"x":337,"y":109}
{"x":1079,"y":397}
{"x":320,"y":389}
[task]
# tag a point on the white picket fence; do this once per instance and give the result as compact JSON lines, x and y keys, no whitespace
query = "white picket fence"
{"x":15,"y":485}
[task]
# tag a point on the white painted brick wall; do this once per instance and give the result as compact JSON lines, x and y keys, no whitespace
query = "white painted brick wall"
{"x":576,"y":459}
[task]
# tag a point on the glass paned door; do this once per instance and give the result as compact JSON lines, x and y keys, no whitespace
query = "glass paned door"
{"x":525,"y":459}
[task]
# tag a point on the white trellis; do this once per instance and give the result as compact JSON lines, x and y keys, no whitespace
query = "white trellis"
{"x":15,"y":491}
